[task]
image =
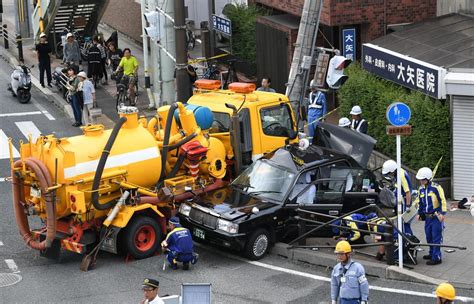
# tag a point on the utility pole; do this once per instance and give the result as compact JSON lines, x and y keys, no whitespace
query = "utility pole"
{"x":305,"y":46}
{"x":212,"y":41}
{"x":182,"y":77}
{"x":22,"y":18}
{"x":146,"y":56}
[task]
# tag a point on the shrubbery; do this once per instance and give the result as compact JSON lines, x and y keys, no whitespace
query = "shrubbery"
{"x":431,"y":133}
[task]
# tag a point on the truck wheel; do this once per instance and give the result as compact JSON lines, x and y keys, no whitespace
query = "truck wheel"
{"x":142,"y":237}
{"x":258,"y":244}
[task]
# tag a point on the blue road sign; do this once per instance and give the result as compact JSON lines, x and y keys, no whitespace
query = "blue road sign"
{"x":398,"y":114}
{"x":349,"y":43}
{"x":222,"y":25}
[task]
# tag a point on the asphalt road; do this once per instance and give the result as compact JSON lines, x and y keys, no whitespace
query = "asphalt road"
{"x":233,"y":279}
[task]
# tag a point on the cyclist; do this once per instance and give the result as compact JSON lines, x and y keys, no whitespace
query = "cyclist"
{"x":129,"y":65}
{"x":114,"y":56}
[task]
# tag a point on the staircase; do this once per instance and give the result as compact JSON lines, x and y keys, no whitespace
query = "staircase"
{"x":81,"y":16}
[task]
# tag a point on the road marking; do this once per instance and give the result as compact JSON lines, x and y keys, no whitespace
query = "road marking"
{"x":12,"y":265}
{"x":1,"y":243}
{"x":4,"y":148}
{"x":27,"y":128}
{"x":21,"y":114}
{"x":49,"y":116}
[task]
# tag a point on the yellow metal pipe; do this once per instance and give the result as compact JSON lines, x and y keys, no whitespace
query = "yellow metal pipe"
{"x":140,"y":189}
{"x":104,"y":176}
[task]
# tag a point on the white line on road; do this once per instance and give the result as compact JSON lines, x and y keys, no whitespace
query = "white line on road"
{"x":12,"y":265}
{"x":4,"y":148}
{"x":21,"y":114}
{"x":49,"y":116}
{"x":1,"y":243}
{"x":27,"y":128}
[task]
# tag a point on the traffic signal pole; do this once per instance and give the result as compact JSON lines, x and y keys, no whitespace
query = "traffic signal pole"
{"x":182,"y":77}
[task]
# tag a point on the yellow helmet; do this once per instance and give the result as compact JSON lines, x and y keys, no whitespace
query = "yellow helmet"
{"x":343,"y":247}
{"x":446,"y":291}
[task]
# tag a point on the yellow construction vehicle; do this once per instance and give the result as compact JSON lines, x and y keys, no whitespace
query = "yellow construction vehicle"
{"x":113,"y":189}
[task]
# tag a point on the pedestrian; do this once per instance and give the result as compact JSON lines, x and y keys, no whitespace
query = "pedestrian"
{"x":345,"y":122}
{"x":316,"y":108}
{"x":75,"y":99}
{"x":351,"y":233}
{"x":266,"y":82}
{"x":129,"y":65}
{"x":445,"y":293}
{"x":103,"y":60}
{"x":179,"y":245}
{"x":358,"y":123}
{"x":43,"y":50}
{"x":88,"y":97}
{"x":150,"y":288}
{"x":71,"y":50}
{"x":348,"y":281}
{"x":94,"y":61}
{"x":389,"y":172}
{"x":114,"y":56}
{"x":432,"y":210}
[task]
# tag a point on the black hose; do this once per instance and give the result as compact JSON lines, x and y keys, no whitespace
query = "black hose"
{"x":100,"y":168}
{"x":166,"y":140}
{"x":182,"y":142}
{"x":177,"y":166}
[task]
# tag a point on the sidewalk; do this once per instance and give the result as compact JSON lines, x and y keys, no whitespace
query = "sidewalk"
{"x":457,"y":266}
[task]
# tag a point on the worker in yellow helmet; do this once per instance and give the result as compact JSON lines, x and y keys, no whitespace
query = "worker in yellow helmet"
{"x":445,"y":293}
{"x":345,"y":276}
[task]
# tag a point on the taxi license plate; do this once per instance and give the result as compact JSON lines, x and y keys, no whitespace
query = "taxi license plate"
{"x":35,"y":192}
{"x":199,"y":233}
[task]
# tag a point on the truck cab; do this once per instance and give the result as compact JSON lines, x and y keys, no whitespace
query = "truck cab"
{"x":266,"y":119}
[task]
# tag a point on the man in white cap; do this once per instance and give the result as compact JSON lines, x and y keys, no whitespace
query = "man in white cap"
{"x":88,"y":97}
{"x":43,"y":51}
{"x":358,"y":123}
{"x":71,"y":52}
{"x":344,"y":122}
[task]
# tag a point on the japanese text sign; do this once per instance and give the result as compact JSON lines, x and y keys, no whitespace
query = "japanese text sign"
{"x":222,"y":25}
{"x":403,"y":70}
{"x":349,"y":43}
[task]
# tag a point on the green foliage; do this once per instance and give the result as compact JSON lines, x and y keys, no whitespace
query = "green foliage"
{"x":244,"y":20}
{"x":431,"y":131}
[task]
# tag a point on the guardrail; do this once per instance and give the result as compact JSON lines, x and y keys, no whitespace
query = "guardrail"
{"x":15,"y":40}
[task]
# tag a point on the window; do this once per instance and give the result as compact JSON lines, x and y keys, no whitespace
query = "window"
{"x":221,"y":123}
{"x":276,"y":121}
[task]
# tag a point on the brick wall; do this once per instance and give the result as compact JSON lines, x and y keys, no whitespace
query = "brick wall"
{"x":124,"y":16}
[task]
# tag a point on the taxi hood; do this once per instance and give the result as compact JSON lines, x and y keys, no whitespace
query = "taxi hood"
{"x":345,"y":141}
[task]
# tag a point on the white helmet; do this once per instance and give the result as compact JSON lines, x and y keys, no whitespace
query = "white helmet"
{"x":389,"y":166}
{"x":344,"y":122}
{"x":312,"y":84}
{"x":424,"y":173}
{"x":356,"y":110}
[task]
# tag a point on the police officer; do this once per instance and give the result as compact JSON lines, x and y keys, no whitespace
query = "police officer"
{"x":358,"y":123}
{"x":344,"y":122}
{"x":445,"y":293}
{"x":389,"y":171}
{"x":351,"y":235}
{"x":150,"y":288}
{"x":179,"y":245}
{"x":348,"y":281}
{"x":431,"y":209}
{"x":316,"y":108}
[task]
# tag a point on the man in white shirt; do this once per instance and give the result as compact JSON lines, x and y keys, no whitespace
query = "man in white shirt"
{"x":150,"y":288}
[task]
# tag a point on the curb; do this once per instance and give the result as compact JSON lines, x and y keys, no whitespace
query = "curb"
{"x":371,"y":268}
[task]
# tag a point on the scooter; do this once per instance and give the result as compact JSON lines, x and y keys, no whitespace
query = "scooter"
{"x":20,"y":84}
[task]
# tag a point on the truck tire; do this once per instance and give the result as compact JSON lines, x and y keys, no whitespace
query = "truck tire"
{"x":141,"y":237}
{"x":258,"y":244}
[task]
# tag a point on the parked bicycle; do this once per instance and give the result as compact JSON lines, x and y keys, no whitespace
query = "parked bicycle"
{"x":123,"y":96}
{"x":226,"y":77}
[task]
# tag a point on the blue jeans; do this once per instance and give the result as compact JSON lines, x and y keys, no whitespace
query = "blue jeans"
{"x":76,"y":109}
{"x":313,"y":116}
{"x":434,"y":235}
{"x":349,"y":301}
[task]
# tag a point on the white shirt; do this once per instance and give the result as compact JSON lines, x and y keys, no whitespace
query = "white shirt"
{"x":156,"y":300}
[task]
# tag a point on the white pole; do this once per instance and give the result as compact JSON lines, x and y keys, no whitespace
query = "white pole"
{"x":146,"y":54}
{"x":399,"y":200}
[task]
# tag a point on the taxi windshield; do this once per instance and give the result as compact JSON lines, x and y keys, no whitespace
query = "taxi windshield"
{"x":264,"y":179}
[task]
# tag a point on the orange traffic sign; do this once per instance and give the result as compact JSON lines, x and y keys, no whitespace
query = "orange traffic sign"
{"x":404,"y":130}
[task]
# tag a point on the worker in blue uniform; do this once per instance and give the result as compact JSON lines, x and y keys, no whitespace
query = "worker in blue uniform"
{"x":351,"y":235}
{"x":432,"y":210}
{"x":316,"y":108}
{"x":348,"y":282}
{"x":179,"y":245}
{"x":389,"y":171}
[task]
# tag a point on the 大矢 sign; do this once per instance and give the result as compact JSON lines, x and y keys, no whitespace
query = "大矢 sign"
{"x":349,"y":43}
{"x":403,"y":70}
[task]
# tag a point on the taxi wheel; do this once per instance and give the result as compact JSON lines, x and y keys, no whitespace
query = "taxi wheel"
{"x":258,"y":244}
{"x":141,"y":237}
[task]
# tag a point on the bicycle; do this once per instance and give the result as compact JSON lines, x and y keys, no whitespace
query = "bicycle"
{"x":123,"y":96}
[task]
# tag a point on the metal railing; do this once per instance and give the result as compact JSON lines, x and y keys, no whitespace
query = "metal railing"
{"x":12,"y":40}
{"x":390,"y":226}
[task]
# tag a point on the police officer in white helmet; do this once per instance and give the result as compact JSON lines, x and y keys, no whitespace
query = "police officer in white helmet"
{"x":358,"y":123}
{"x":316,"y":108}
{"x":344,"y":122}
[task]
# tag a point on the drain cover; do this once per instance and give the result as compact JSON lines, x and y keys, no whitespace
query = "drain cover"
{"x":8,"y":279}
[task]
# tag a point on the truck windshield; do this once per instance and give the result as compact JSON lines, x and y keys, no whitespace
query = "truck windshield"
{"x":265,"y":180}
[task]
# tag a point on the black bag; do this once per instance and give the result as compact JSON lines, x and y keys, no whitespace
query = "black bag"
{"x":80,"y":98}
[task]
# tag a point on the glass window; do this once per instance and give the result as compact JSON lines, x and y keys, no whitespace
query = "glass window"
{"x":221,"y":123}
{"x":276,"y":121}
